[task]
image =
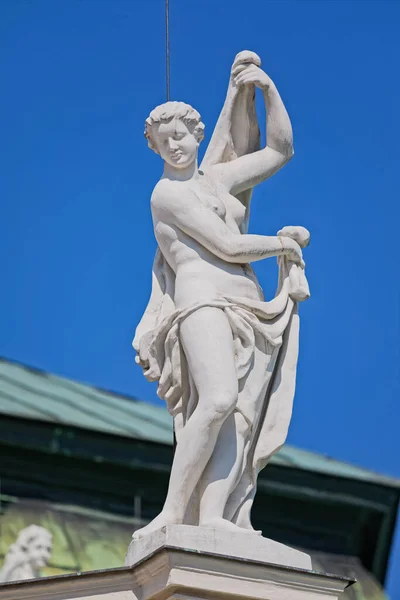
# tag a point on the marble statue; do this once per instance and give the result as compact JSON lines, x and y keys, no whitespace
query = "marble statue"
{"x":224,"y":358}
{"x":27,"y":555}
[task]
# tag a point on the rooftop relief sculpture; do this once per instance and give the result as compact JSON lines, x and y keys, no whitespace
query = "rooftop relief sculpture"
{"x":224,"y":358}
{"x":27,"y":555}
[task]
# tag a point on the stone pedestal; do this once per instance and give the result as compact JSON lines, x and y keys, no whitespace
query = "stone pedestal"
{"x":197,"y":571}
{"x":245,"y":546}
{"x":183,"y":562}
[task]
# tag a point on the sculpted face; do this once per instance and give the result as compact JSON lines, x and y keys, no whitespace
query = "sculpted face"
{"x":39,"y":552}
{"x":175,"y":143}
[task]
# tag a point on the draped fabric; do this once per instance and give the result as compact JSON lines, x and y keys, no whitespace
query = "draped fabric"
{"x":265,"y":339}
{"x":265,"y":334}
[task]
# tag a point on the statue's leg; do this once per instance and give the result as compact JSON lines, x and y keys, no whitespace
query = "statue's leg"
{"x":241,"y":516}
{"x":252,"y":398}
{"x":223,"y":471}
{"x":206,"y":338}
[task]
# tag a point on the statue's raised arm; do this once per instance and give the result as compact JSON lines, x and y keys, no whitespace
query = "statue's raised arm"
{"x":224,"y":358}
{"x":236,"y":132}
{"x":237,"y":136}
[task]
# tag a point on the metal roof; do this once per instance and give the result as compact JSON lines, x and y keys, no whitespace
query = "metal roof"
{"x":29,"y":393}
{"x":34,"y":394}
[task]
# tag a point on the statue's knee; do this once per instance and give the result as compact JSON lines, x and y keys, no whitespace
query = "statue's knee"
{"x":224,"y":404}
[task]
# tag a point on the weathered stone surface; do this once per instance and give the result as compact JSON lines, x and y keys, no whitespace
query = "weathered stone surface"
{"x":219,"y":542}
{"x":225,"y":359}
{"x":185,"y":574}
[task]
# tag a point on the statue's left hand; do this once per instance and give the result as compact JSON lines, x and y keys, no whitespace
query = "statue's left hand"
{"x":299,"y":234}
{"x":251,"y":75}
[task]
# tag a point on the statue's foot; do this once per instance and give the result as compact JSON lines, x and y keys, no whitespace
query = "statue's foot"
{"x":159,"y":522}
{"x":220,"y":523}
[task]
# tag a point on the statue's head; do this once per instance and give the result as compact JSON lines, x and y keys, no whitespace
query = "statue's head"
{"x":35,"y":543}
{"x":174,"y":131}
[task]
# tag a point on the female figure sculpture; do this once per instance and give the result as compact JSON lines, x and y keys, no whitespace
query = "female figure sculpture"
{"x":224,"y":358}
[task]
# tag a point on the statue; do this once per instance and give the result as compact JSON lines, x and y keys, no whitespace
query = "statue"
{"x":224,"y":358}
{"x":28,"y":555}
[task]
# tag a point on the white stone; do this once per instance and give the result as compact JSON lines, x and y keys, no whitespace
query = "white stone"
{"x":182,"y":574}
{"x":219,"y":542}
{"x":225,"y":360}
{"x":27,"y":555}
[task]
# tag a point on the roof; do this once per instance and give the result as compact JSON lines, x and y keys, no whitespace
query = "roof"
{"x":29,"y":393}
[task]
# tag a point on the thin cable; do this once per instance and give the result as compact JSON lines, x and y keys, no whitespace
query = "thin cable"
{"x":167,"y":63}
{"x":168,"y":84}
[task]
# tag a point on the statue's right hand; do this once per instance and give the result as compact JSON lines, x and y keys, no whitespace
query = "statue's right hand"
{"x":251,"y":75}
{"x":243,"y":61}
{"x":142,"y":362}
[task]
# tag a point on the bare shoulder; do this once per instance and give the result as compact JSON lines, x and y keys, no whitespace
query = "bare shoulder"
{"x":165,"y":195}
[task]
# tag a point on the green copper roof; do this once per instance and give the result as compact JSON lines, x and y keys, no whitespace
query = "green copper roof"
{"x":33,"y":394}
{"x":29,"y":393}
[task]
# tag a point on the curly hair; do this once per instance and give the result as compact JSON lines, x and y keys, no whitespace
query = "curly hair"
{"x":30,"y":534}
{"x":19,"y":562}
{"x":164,"y":113}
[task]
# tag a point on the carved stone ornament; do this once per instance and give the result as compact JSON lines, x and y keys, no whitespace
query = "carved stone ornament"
{"x":27,"y":555}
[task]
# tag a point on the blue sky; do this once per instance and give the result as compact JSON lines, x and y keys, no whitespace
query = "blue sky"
{"x":78,"y":80}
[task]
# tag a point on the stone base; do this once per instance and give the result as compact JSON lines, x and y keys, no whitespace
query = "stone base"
{"x":182,"y":574}
{"x":165,"y":571}
{"x":246,"y":546}
{"x":183,"y":562}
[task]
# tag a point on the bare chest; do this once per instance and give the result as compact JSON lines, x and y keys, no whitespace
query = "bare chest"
{"x":217,"y":198}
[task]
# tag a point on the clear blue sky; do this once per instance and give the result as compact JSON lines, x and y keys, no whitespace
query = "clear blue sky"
{"x":78,"y":80}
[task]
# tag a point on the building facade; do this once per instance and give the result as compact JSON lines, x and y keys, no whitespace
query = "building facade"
{"x":91,"y":466}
